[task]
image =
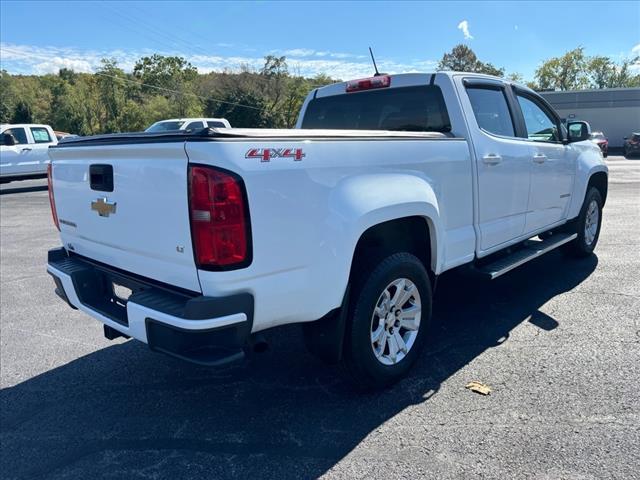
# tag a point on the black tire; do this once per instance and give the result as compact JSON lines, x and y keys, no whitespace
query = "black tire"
{"x":581,"y":247}
{"x":367,"y":371}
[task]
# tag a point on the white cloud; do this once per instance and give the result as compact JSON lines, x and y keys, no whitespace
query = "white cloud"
{"x":634,"y":55}
{"x":29,"y":59}
{"x":298,"y":52}
{"x":307,"y":52}
{"x":464,"y":26}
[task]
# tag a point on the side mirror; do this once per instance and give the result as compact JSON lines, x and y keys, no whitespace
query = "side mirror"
{"x":578,"y":131}
{"x":8,"y":140}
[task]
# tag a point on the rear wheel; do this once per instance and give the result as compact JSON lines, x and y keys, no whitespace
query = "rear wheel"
{"x":389,"y":318}
{"x":587,"y":225}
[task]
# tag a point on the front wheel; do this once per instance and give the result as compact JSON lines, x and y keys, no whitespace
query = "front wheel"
{"x":587,"y":225}
{"x":389,"y":318}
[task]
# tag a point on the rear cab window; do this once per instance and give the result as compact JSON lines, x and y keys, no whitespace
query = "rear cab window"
{"x":40,"y":135}
{"x":412,"y":109}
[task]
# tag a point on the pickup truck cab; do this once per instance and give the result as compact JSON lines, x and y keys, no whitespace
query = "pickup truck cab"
{"x":23,"y":152}
{"x":188,"y":124}
{"x":194,"y":242}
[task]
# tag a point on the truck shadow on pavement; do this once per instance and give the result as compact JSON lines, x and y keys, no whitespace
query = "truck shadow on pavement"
{"x":125,"y":412}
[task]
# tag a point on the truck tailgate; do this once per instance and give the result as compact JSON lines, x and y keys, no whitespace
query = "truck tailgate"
{"x":140,"y":223}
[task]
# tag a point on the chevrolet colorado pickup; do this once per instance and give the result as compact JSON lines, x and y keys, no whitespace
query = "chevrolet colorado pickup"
{"x":193,"y":242}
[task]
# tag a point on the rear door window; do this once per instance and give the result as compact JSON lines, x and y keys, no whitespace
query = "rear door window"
{"x":491,"y":110}
{"x":412,"y":109}
{"x":216,"y":124}
{"x":40,"y":135}
{"x":19,"y":134}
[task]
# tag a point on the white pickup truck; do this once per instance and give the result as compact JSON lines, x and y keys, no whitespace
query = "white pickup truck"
{"x":194,"y":242}
{"x":23,"y":152}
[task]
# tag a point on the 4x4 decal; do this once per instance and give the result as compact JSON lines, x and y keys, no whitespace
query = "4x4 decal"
{"x":266,"y":154}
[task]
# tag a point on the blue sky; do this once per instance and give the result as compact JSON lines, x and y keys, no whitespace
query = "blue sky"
{"x":316,"y":37}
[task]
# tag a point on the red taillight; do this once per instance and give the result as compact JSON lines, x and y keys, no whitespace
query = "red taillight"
{"x":369,"y":83}
{"x":52,"y":200}
{"x":219,"y":218}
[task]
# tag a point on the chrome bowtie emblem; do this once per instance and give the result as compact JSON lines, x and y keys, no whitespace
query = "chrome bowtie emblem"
{"x":103,"y":207}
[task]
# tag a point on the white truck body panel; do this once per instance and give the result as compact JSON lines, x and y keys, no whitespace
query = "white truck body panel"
{"x":325,"y":202}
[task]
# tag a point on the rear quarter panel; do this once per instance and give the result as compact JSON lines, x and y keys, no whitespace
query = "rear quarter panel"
{"x":307,"y":215}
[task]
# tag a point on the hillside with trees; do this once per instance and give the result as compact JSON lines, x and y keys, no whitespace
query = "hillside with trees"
{"x":159,"y":87}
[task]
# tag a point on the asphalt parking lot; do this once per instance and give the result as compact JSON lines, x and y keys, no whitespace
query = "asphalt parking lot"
{"x":557,"y":340}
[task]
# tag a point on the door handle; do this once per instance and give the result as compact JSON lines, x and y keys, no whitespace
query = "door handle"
{"x":26,"y":149}
{"x":491,"y":159}
{"x":539,"y":158}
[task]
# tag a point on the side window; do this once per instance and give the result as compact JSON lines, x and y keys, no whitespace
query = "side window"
{"x":540,"y":126}
{"x":40,"y":135}
{"x":194,"y":126}
{"x":491,"y":110}
{"x":216,"y":124}
{"x":19,"y":134}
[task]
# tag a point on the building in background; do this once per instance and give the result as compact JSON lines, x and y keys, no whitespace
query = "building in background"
{"x":613,"y":111}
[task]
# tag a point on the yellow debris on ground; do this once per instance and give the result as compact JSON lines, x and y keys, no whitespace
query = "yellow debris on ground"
{"x":478,"y":387}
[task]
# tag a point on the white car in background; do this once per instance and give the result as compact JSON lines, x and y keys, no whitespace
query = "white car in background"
{"x":188,"y":124}
{"x":23,"y":152}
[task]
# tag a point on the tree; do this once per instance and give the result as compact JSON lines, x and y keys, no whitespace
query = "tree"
{"x":172,"y":77}
{"x":574,"y":70}
{"x":601,"y":71}
{"x":624,"y":77}
{"x":274,"y":79}
{"x":22,"y":113}
{"x":242,"y":108}
{"x":112,"y":100}
{"x":7,"y":97}
{"x":112,"y":85}
{"x":463,"y":59}
{"x":515,"y":77}
{"x":568,"y":72}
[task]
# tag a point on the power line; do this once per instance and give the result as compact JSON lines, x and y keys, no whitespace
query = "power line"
{"x":177,"y":91}
{"x":9,"y":50}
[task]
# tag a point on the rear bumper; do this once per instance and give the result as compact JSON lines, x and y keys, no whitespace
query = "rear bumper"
{"x":197,"y":328}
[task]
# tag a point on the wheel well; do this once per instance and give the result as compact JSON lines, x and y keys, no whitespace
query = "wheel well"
{"x":409,"y":234}
{"x":599,"y":181}
{"x":325,"y":337}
